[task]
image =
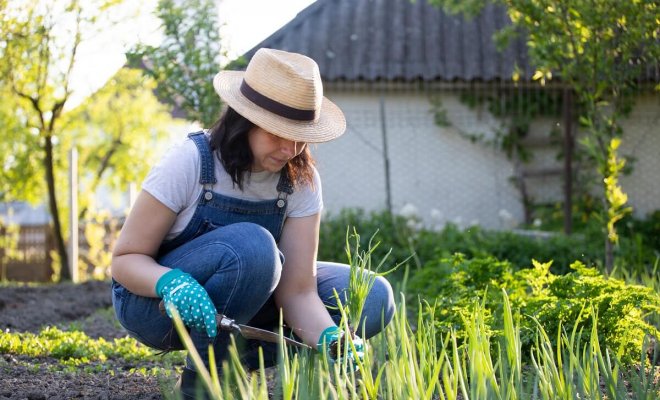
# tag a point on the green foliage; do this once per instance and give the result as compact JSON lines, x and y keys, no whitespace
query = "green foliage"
{"x":597,"y":48}
{"x":18,"y":177}
{"x":397,"y":236}
{"x":637,"y":252}
{"x":362,"y":276}
{"x":187,"y":60}
{"x":557,"y":302}
{"x":75,"y":346}
{"x":118,"y":132}
{"x":592,"y":45}
{"x":38,"y":60}
{"x":517,"y":248}
{"x":412,"y":359}
{"x":616,"y":198}
{"x":646,"y":230}
{"x":115,"y":129}
{"x":638,"y":246}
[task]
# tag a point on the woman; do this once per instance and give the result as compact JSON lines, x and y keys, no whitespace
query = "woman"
{"x":228,"y":222}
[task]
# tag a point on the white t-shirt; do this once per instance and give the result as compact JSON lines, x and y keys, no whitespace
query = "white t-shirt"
{"x":174,"y":181}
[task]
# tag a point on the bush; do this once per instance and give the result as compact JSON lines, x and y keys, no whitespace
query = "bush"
{"x":556,"y":302}
{"x":396,"y":233}
{"x":638,"y":251}
{"x":392,"y":233}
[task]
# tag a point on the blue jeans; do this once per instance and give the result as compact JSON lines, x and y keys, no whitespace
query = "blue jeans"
{"x":240,"y":265}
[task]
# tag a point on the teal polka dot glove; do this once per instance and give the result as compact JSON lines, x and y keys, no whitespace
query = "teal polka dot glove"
{"x":337,"y":349}
{"x":189,"y":299}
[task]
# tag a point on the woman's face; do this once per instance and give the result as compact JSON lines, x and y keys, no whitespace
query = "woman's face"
{"x":271,"y":153}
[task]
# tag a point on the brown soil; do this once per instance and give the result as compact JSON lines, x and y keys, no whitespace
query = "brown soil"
{"x":30,"y":308}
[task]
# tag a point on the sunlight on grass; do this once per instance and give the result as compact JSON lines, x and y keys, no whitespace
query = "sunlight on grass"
{"x":75,"y":348}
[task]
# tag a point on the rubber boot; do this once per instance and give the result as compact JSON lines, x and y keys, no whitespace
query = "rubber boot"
{"x":190,"y":386}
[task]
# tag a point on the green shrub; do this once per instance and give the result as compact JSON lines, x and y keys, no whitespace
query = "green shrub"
{"x":516,"y":248}
{"x":637,"y":252}
{"x":455,"y":284}
{"x":395,"y":233}
{"x":390,"y":230}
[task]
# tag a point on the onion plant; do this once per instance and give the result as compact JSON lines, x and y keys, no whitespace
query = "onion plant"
{"x":362,"y":275}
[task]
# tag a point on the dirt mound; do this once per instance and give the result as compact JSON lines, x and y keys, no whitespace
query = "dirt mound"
{"x":28,"y":308}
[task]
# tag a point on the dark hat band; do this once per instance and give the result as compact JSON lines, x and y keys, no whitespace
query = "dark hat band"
{"x":275,"y":106}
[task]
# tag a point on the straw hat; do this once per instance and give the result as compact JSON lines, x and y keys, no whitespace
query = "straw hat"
{"x":282,"y":93}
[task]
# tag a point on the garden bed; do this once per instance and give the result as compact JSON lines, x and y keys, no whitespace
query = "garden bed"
{"x":86,"y":308}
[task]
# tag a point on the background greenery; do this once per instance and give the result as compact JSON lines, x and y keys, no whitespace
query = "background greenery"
{"x":554,"y":280}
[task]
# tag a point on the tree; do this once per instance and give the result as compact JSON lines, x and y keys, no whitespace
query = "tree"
{"x":39,"y":45}
{"x":118,"y":131}
{"x":187,"y":59}
{"x":598,"y":48}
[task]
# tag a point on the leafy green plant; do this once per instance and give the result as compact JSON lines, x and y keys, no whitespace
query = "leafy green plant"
{"x":188,"y":58}
{"x":76,"y":348}
{"x":553,"y":300}
{"x":395,"y":237}
{"x":497,"y":346}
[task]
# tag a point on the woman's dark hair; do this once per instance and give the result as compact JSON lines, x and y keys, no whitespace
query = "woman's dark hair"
{"x":229,"y":137}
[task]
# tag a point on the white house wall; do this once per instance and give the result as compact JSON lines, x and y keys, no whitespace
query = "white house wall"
{"x":446,"y":176}
{"x":443,"y":174}
{"x":641,"y":140}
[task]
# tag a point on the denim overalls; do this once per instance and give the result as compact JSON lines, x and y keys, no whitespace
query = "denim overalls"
{"x":230,"y":247}
{"x":215,"y":210}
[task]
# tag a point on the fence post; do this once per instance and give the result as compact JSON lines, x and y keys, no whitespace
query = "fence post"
{"x":73,"y":214}
{"x":567,"y":114}
{"x":386,"y":157}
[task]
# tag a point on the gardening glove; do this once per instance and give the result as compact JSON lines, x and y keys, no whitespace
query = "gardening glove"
{"x":336,"y":348}
{"x":189,"y":299}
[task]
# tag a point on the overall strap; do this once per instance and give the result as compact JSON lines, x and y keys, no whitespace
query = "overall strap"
{"x":284,"y":184}
{"x":207,"y":175}
{"x":284,"y":189}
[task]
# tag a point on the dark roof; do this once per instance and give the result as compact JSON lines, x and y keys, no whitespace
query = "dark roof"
{"x":404,"y":40}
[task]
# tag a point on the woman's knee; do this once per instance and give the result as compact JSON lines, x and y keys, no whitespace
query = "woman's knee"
{"x":379,"y":307}
{"x":248,"y":242}
{"x":257,"y":249}
{"x":246,"y":270}
{"x":237,"y":252}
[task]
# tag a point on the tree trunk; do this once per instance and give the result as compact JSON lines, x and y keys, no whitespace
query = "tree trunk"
{"x":568,"y":160}
{"x":54,"y":210}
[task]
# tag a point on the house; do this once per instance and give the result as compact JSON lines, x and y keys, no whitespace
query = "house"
{"x":404,"y":72}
